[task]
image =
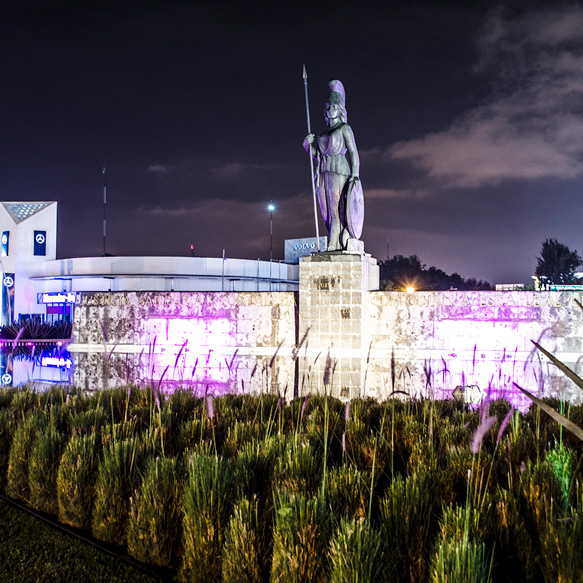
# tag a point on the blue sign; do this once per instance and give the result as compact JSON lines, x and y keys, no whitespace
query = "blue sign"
{"x":5,"y":241}
{"x":56,"y":298}
{"x":40,"y":242}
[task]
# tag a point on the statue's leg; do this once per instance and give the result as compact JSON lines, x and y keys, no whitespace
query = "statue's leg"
{"x":334,"y":187}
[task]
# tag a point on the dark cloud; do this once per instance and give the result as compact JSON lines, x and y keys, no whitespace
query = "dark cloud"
{"x":531,"y":127}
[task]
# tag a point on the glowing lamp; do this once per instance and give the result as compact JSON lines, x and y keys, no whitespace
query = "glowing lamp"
{"x":410,"y":289}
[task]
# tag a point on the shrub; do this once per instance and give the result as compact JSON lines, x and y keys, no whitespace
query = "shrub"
{"x":405,"y":512}
{"x":7,"y":426}
{"x":206,"y":509}
{"x":356,"y":553}
{"x":460,"y":561}
{"x":43,"y":466}
{"x":76,"y":481}
{"x":349,"y":491}
{"x":300,"y":539}
{"x":154,"y":520}
{"x":246,"y":547}
{"x":116,"y":480}
{"x":20,"y":448}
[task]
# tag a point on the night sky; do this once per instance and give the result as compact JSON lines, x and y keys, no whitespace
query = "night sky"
{"x":467,"y":115}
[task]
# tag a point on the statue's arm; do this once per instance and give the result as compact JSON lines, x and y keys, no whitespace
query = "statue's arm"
{"x":352,"y":152}
{"x":310,"y":142}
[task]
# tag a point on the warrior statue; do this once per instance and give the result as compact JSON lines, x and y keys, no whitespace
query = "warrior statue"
{"x":338,"y":186}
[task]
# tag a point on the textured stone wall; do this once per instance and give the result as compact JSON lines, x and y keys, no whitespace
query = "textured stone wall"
{"x":209,"y":341}
{"x":429,"y":343}
{"x":369,"y":343}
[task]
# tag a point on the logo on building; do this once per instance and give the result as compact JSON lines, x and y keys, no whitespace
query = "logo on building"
{"x":40,"y":238}
{"x":8,"y":281}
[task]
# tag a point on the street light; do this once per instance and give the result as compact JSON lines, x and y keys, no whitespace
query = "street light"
{"x":270,"y":208}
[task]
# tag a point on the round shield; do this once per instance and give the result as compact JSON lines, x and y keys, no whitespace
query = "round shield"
{"x":355,"y":209}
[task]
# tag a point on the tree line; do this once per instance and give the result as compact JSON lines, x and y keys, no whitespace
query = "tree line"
{"x":400,"y":272}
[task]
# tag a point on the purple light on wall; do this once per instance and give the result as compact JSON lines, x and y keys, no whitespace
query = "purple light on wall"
{"x":196,"y":351}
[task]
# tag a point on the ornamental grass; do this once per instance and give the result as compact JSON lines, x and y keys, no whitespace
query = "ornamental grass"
{"x":153,"y":530}
{"x":301,"y":537}
{"x":116,"y":480}
{"x":20,"y":449}
{"x":247,"y":488}
{"x":207,"y":505}
{"x":356,"y":553}
{"x":246,"y":550}
{"x":76,"y":480}
{"x":43,"y":465}
{"x":7,"y":427}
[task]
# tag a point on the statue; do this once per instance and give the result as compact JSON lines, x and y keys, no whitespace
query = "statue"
{"x":337,"y":181}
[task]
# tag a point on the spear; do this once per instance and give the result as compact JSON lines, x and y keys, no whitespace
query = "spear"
{"x":311,"y":161}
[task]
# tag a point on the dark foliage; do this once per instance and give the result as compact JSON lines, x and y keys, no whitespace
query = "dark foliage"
{"x":400,"y":272}
{"x":31,"y":330}
{"x":557,"y":263}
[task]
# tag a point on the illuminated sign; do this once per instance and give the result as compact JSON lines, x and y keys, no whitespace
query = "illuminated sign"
{"x":5,"y":240}
{"x":6,"y":379}
{"x":8,"y":280}
{"x":40,"y":243}
{"x":57,"y":298}
{"x":296,"y":248}
{"x":56,"y":362}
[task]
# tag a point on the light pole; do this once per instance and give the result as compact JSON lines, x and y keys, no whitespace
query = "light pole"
{"x":270,"y":208}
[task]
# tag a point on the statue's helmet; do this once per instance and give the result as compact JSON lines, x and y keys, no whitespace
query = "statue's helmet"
{"x":337,"y":95}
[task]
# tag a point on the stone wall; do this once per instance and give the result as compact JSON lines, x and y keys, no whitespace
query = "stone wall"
{"x":365,"y":343}
{"x":209,"y":341}
{"x":429,"y":343}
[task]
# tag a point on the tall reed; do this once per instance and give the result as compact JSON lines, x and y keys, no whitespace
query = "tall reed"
{"x":405,"y":513}
{"x":76,"y":481}
{"x":43,"y":466}
{"x":116,"y":480}
{"x":206,"y":509}
{"x":300,"y":539}
{"x":20,"y":448}
{"x":154,"y":518}
{"x":356,"y":553}
{"x":245,"y":557}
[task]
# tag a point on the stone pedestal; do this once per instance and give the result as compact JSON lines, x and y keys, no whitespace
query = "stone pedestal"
{"x":332,"y":316}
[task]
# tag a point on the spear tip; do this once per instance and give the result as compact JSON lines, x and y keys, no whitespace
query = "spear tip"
{"x":305,"y":74}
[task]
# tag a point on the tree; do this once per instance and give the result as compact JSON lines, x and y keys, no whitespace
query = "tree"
{"x":401,"y":272}
{"x":557,"y":263}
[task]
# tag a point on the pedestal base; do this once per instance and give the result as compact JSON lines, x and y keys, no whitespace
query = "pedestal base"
{"x":332,"y":313}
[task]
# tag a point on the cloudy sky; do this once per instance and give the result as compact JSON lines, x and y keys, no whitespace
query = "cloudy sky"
{"x":467,"y":115}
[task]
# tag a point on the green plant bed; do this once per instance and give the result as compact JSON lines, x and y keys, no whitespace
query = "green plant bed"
{"x":208,"y":485}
